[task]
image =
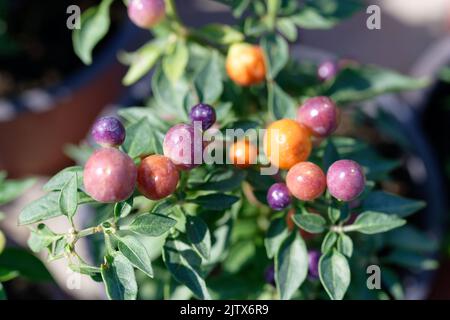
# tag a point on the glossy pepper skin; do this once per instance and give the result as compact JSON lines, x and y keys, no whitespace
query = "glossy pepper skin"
{"x":306,"y":181}
{"x":108,"y":132}
{"x":109,"y":175}
{"x":320,"y":115}
{"x":183,"y":145}
{"x":146,"y":13}
{"x":327,"y":70}
{"x":243,"y":154}
{"x":278,"y":196}
{"x":203,"y":113}
{"x":286,"y":143}
{"x":157,"y":177}
{"x":245,"y":64}
{"x":346,"y":180}
{"x":313,"y":264}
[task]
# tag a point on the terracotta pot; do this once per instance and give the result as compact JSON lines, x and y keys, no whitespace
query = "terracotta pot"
{"x":36,"y":125}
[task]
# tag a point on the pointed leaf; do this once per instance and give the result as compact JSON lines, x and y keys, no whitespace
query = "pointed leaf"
{"x":381,"y":201}
{"x":119,"y":278}
{"x":94,"y":26}
{"x":135,"y":252}
{"x":334,"y":274}
{"x":199,"y":235}
{"x":68,"y":199}
{"x":370,"y":222}
{"x":312,"y":223}
{"x":291,"y":266}
{"x":275,"y":236}
{"x":152,"y":224}
{"x":184,"y":264}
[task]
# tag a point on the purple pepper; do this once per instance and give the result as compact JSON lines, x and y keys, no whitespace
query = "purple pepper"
{"x":345,"y":180}
{"x":108,"y":132}
{"x":278,"y":196}
{"x":183,"y":145}
{"x":203,"y":113}
{"x":320,"y":115}
{"x":327,"y":70}
{"x":269,"y":275}
{"x":313,"y":264}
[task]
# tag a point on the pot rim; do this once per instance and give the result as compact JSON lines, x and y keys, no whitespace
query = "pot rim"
{"x":40,"y":99}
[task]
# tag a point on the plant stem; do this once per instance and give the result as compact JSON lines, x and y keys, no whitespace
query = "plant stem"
{"x":171,"y":11}
{"x":108,"y":244}
{"x":272,"y":10}
{"x":340,"y":229}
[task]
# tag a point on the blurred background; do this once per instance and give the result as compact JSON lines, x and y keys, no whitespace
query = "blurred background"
{"x":49,"y":99}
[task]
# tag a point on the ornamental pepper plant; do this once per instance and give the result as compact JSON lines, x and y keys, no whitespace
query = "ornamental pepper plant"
{"x":232,"y":180}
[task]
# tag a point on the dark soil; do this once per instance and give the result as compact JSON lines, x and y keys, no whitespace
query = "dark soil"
{"x":35,"y":44}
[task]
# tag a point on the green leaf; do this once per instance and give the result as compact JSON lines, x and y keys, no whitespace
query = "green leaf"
{"x":134,"y":114}
{"x":215,"y":201}
{"x":137,"y":142}
{"x":276,"y":53}
{"x":239,"y":256}
{"x":79,"y":153}
{"x":57,"y":248}
{"x":334,"y":274}
{"x":198,"y":235}
{"x":2,"y":293}
{"x":135,"y":252}
{"x":224,"y":180}
{"x":411,"y":260}
{"x":184,"y":264}
{"x":85,"y":269}
{"x":409,"y":238}
{"x":255,"y":27}
{"x":152,"y":224}
{"x":330,"y":155}
{"x":381,"y":201}
{"x":142,"y":61}
{"x":24,"y":263}
{"x":68,"y":198}
{"x":312,"y":223}
{"x":325,"y":14}
{"x":7,"y":274}
{"x":238,"y":6}
{"x":47,"y":207}
{"x":58,"y":181}
{"x":329,"y":241}
{"x":287,"y":28}
{"x":170,"y":96}
{"x":392,"y":283}
{"x":119,"y":278}
{"x":371,"y":222}
{"x":208,"y":81}
{"x":175,"y":61}
{"x":291,"y":266}
{"x":281,"y":105}
{"x":94,"y":26}
{"x":334,"y":213}
{"x":345,"y":245}
{"x":275,"y":236}
{"x":41,"y":238}
{"x":11,"y":189}
{"x":221,"y":34}
{"x":359,"y":83}
{"x":2,"y":241}
{"x":123,"y":209}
